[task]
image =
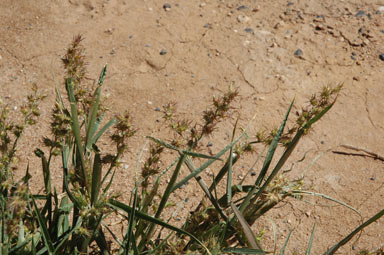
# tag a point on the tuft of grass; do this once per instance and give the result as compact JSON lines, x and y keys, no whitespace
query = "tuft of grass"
{"x":72,"y":221}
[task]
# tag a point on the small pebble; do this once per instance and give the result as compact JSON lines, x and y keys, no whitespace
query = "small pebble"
{"x":242,"y":7}
{"x":308,"y":213}
{"x":147,"y":45}
{"x":372,"y":178}
{"x":290,"y":4}
{"x":209,"y":144}
{"x":207,"y":25}
{"x":157,"y":109}
{"x":243,"y":19}
{"x":167,"y":7}
{"x":381,"y":56}
{"x":131,"y":36}
{"x":298,"y":53}
{"x":253,"y":173}
{"x":360,"y":14}
{"x":163,"y":52}
{"x":248,"y":30}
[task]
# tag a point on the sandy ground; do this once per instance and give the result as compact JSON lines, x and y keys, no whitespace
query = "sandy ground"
{"x":207,"y":46}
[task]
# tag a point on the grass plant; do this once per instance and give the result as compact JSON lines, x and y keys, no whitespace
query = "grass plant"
{"x":70,"y":220}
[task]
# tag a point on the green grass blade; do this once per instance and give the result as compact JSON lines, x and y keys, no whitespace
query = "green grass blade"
{"x":206,"y":164}
{"x":243,"y":251}
{"x":114,"y":236}
{"x":63,"y":219}
{"x":246,"y":228}
{"x":267,"y":162}
{"x":67,"y":235}
{"x":20,"y":234}
{"x":110,"y":182}
{"x":47,"y":184}
{"x":308,"y":251}
{"x":164,"y":144}
{"x":282,"y":251}
{"x":354,"y":232}
{"x":230,"y":163}
{"x":164,"y":200}
{"x":272,"y":148}
{"x":223,"y":171}
{"x":76,"y":130}
{"x":292,"y":146}
{"x":204,"y":187}
{"x":200,"y":155}
{"x":95,"y":107}
{"x":96,"y":178}
{"x":102,"y":130}
{"x":44,"y":230}
{"x":66,"y":188}
{"x":128,"y":209}
{"x":274,"y":227}
{"x":131,"y":225}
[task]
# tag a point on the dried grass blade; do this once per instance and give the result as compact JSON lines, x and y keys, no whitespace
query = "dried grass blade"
{"x":246,"y":228}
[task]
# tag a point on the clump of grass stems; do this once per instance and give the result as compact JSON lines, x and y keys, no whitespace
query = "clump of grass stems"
{"x":69,"y":221}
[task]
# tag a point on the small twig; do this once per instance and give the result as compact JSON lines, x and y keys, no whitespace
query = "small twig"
{"x":365,"y":154}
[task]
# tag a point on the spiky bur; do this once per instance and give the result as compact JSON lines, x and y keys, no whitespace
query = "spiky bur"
{"x":123,"y":131}
{"x":317,"y":103}
{"x":188,"y":136}
{"x":14,"y":196}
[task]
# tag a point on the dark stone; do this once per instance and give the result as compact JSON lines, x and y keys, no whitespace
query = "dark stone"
{"x":166,"y":6}
{"x":163,"y":52}
{"x":298,"y":53}
{"x":242,"y":7}
{"x":253,"y":173}
{"x":209,"y":144}
{"x":157,"y":109}
{"x":360,"y":13}
{"x":248,"y":30}
{"x":381,"y":56}
{"x":372,"y":178}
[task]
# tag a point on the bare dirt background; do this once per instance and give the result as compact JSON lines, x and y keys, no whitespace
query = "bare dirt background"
{"x":208,"y":45}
